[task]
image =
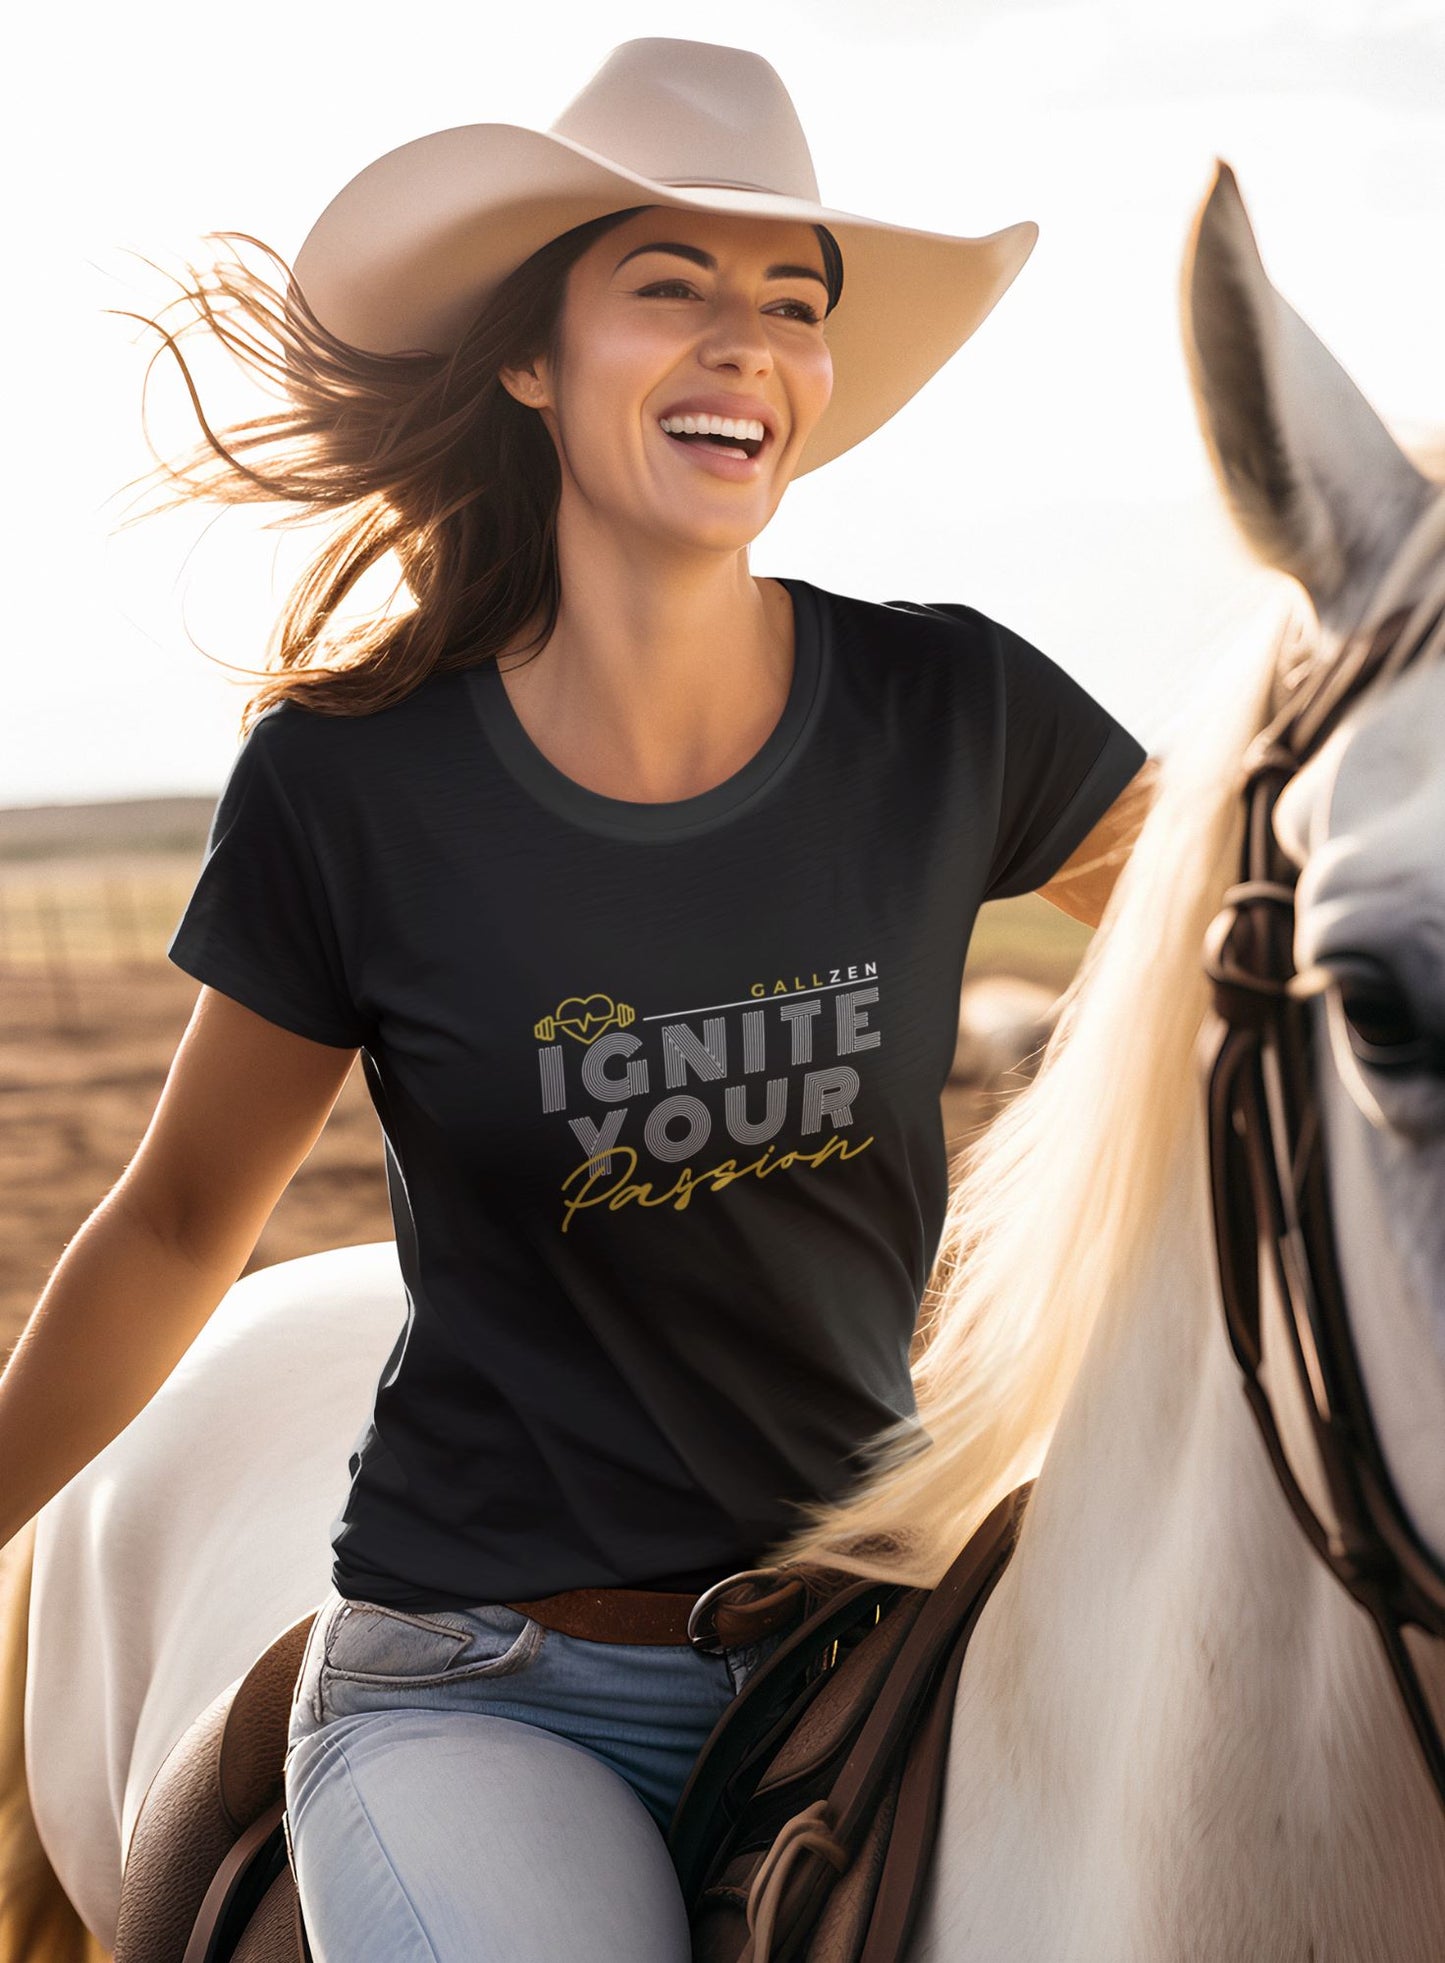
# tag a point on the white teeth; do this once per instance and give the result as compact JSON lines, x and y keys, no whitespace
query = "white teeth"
{"x":714,"y":426}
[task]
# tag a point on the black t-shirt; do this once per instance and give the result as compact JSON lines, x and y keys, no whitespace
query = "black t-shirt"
{"x":659,"y":1083}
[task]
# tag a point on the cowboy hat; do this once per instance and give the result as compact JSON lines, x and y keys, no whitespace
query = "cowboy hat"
{"x":406,"y":255}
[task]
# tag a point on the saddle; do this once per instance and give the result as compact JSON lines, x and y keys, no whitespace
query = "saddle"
{"x":803,"y":1831}
{"x":207,"y":1876}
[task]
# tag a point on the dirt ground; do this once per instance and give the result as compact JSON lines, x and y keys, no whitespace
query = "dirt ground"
{"x":77,"y":1094}
{"x":79,"y":1080}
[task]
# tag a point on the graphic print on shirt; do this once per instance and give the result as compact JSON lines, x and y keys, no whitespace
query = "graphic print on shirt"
{"x":783,"y":1053}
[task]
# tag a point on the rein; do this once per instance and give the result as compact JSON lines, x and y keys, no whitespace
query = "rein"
{"x":1270,"y":1201}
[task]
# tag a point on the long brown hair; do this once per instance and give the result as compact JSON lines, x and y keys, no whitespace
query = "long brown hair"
{"x":428,"y":457}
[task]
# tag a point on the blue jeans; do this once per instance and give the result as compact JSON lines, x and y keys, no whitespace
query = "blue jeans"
{"x":469,"y":1786}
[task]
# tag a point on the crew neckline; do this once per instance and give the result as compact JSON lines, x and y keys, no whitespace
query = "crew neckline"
{"x":674,"y":818}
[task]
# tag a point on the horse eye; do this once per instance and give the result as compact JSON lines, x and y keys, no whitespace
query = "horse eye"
{"x":1379,"y":1018}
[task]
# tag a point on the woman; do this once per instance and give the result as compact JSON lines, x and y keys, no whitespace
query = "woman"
{"x":643,"y":888}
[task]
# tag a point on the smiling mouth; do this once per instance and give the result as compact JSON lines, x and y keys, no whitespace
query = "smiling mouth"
{"x":733,"y":446}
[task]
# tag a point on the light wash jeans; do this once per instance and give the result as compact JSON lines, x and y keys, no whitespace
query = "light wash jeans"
{"x":468,"y":1786}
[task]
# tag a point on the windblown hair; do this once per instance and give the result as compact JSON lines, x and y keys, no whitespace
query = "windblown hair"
{"x":1059,"y":1200}
{"x":427,"y":459}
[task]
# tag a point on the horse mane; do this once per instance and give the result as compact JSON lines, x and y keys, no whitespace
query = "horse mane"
{"x":1055,"y":1204}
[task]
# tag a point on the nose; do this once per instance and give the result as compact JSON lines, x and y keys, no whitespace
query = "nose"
{"x":737,"y":337}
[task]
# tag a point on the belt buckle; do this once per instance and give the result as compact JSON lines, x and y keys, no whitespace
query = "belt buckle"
{"x":702,"y":1627}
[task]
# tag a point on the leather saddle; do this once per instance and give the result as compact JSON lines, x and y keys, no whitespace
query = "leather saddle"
{"x":207,"y":1874}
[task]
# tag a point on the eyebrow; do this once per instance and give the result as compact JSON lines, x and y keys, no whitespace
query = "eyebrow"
{"x":706,"y":259}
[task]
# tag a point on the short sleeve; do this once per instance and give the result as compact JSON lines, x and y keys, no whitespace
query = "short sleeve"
{"x":258,"y":925}
{"x":1066,"y":759}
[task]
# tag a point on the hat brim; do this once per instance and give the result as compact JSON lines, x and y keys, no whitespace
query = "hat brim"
{"x":406,"y":254}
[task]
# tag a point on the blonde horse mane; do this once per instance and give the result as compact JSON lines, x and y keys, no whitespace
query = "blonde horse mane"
{"x":1050,"y":1207}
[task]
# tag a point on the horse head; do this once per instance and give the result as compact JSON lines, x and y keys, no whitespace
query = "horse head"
{"x":1320,"y":489}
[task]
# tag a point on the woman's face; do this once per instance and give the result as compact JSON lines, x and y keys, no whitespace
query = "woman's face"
{"x":729,"y":320}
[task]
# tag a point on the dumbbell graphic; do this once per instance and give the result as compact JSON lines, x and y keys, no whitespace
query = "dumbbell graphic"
{"x":584,"y":1018}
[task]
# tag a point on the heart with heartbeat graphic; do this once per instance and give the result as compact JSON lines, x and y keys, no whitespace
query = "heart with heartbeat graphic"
{"x":584,"y":1018}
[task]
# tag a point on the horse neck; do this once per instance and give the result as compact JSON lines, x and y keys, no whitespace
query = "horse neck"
{"x":1169,"y":1662}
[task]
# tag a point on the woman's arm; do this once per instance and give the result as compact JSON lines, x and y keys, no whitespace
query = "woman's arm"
{"x":242,"y":1106}
{"x":1083,"y":883}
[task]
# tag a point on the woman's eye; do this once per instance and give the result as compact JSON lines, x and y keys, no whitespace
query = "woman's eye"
{"x":806,"y":311}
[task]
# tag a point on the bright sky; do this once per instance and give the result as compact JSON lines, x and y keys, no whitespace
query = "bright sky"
{"x":1053,"y":473}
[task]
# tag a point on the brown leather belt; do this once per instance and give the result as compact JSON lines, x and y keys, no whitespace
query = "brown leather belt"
{"x":740,"y":1608}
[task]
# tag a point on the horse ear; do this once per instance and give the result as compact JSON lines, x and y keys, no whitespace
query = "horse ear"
{"x":1316,"y":483}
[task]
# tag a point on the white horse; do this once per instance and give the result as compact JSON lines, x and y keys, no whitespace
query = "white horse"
{"x":1174,"y":1736}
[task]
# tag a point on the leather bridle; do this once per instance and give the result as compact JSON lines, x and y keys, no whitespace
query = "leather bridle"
{"x":1270,"y":1201}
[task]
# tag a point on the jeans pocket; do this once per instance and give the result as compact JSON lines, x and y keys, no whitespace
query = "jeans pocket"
{"x":371,"y":1644}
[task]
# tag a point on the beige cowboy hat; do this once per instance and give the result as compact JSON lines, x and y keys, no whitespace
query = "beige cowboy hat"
{"x":406,"y":255}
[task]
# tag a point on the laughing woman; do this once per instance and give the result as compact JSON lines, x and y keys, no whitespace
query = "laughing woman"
{"x":642,"y":886}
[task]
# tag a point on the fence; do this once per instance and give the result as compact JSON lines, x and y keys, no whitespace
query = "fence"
{"x":63,"y":919}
